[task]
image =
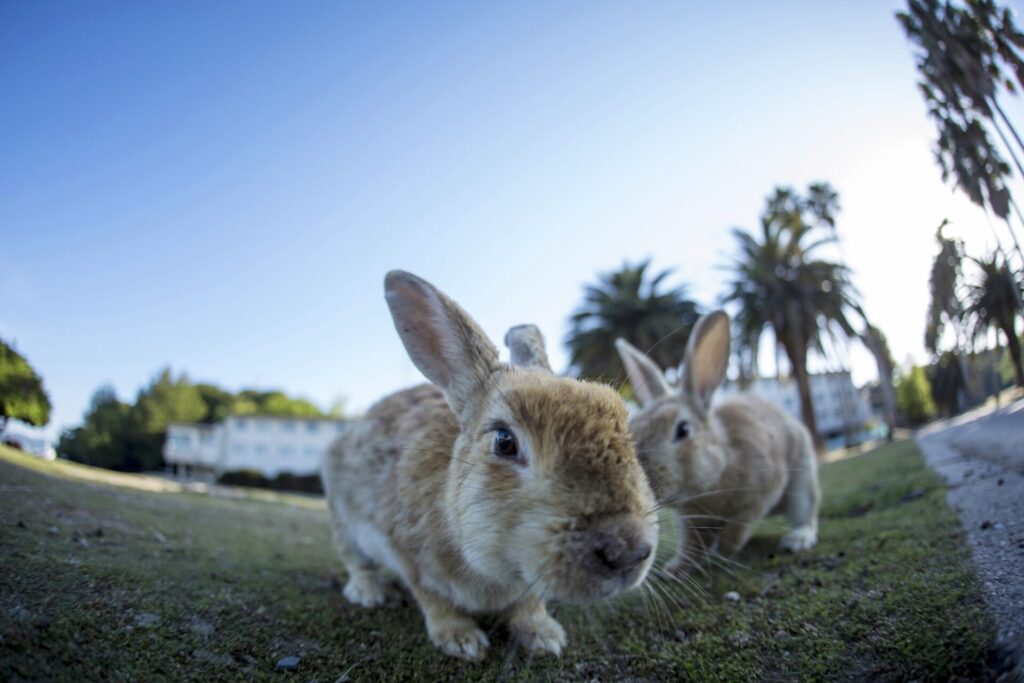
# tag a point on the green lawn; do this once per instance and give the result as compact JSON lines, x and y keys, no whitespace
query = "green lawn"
{"x":102,"y":580}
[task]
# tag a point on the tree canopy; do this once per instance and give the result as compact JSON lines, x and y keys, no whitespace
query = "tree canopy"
{"x":22,"y":396}
{"x":635,"y":305}
{"x":993,"y":301}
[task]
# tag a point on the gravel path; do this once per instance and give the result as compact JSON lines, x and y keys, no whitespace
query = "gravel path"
{"x":980,"y":455}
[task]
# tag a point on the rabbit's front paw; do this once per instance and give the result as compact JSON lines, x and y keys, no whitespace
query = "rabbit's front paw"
{"x":540,"y":634}
{"x":365,"y":590}
{"x":459,"y":637}
{"x":800,"y":538}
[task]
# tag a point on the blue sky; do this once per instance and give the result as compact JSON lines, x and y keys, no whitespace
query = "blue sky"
{"x":220,"y":187}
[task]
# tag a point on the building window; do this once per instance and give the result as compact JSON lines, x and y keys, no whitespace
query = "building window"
{"x":311,"y":427}
{"x":312,"y":450}
{"x":206,"y":438}
{"x":238,"y":449}
{"x":241,"y":424}
{"x":261,"y":449}
{"x":286,"y":451}
{"x":288,"y":425}
{"x":263,"y":425}
{"x":180,"y":440}
{"x":340,"y":426}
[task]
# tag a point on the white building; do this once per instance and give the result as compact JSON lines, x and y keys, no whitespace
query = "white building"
{"x":838,"y":406}
{"x":28,"y":438}
{"x":270,"y":445}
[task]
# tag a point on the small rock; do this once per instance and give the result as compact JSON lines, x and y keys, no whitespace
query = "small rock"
{"x":200,"y":626}
{"x":53,"y":531}
{"x":986,"y":524}
{"x":160,"y":538}
{"x":913,"y":495}
{"x":19,"y":614}
{"x":731,"y":596}
{"x":146,"y":619}
{"x":681,"y":635}
{"x":740,"y":638}
{"x":213,"y":658}
{"x":82,"y":542}
{"x":290,"y":663}
{"x":1000,"y":482}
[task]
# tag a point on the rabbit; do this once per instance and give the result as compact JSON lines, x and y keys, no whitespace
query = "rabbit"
{"x":722,"y":467}
{"x":490,"y":491}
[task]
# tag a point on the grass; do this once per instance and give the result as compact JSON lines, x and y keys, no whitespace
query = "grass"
{"x":101,"y":579}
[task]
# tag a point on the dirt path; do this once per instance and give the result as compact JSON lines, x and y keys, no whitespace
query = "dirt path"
{"x":981,"y":457}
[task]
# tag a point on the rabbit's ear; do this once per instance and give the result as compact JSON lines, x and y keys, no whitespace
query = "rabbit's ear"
{"x":645,"y":376}
{"x":707,"y":358}
{"x":526,"y":346}
{"x":447,"y":346}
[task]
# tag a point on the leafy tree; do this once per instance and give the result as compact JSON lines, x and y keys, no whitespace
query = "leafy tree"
{"x":914,"y":396}
{"x":219,"y":403}
{"x":630,"y":304}
{"x":164,"y":401}
{"x":252,"y":402}
{"x":992,"y":303}
{"x":778,"y":282}
{"x":22,"y":396}
{"x":102,"y":439}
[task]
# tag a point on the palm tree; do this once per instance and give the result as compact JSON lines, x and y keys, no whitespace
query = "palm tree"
{"x":992,"y":302}
{"x":945,"y":307}
{"x":779,"y":283}
{"x":949,"y":384}
{"x":627,"y":303}
{"x":875,"y":342}
{"x":964,"y":52}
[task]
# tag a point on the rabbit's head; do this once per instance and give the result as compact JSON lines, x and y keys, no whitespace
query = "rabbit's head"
{"x":544,"y":488}
{"x":673,"y":431}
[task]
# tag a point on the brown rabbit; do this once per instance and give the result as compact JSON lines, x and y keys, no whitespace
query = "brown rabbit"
{"x":491,"y":490}
{"x":722,"y":467}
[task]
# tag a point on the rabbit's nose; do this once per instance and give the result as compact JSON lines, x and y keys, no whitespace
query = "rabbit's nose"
{"x":617,"y":556}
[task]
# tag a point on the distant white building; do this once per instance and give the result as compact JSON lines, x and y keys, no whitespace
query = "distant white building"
{"x":269,"y":445}
{"x":29,"y":439}
{"x":838,"y":406}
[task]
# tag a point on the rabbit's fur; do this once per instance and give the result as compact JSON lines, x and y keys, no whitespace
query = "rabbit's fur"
{"x":722,"y":467}
{"x":418,"y":488}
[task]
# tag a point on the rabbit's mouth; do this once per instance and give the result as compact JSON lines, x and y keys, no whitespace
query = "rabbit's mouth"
{"x":609,"y":556}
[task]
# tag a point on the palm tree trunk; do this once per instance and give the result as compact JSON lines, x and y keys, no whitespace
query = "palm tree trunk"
{"x":1020,"y":169}
{"x":884,"y":379}
{"x":1013,"y":344}
{"x":1013,"y":131}
{"x":798,"y":363}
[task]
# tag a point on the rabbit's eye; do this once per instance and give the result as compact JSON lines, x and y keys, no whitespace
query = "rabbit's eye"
{"x":505,"y":444}
{"x":682,"y":430}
